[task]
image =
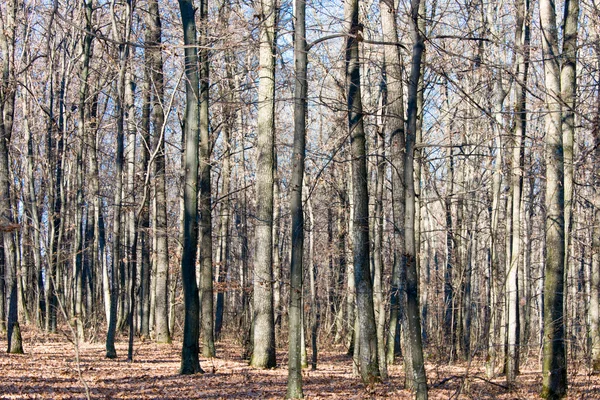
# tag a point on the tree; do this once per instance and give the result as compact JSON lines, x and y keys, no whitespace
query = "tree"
{"x":7,"y":109}
{"x":554,"y":367}
{"x":190,"y":363}
{"x":522,"y":39}
{"x":263,"y":341}
{"x":367,"y":336}
{"x":118,"y":264}
{"x":410,"y":252}
{"x":394,"y":123}
{"x":156,"y":92}
{"x":294,"y":385}
{"x":205,"y":221}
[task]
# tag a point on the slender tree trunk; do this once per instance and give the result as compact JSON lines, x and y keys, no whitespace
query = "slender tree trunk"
{"x":223,"y":242}
{"x":378,"y":290}
{"x":294,"y":383}
{"x":522,"y":38}
{"x":568,"y":83}
{"x":190,"y":363}
{"x":367,"y":335}
{"x":205,"y":220}
{"x":117,"y":259}
{"x":554,"y":364}
{"x":82,"y":123}
{"x":394,"y":123}
{"x":594,"y":310}
{"x":161,"y":257}
{"x":263,"y":353}
{"x":410,"y":252}
{"x":7,"y":108}
{"x":499,"y":96}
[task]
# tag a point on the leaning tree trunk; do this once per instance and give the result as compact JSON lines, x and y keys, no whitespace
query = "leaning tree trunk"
{"x":263,"y":353}
{"x":554,"y":368}
{"x":367,"y":334}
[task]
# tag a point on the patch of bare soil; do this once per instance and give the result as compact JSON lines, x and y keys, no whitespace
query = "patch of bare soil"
{"x":49,"y":370}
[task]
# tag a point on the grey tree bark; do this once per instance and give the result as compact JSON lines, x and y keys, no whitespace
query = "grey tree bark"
{"x":367,"y":335}
{"x":594,"y":307}
{"x":7,"y":109}
{"x":554,"y":367}
{"x":568,"y":83}
{"x":161,"y":257}
{"x":190,"y":363}
{"x":82,"y":126}
{"x":118,"y":266}
{"x":394,"y":123}
{"x":294,"y":383}
{"x":522,"y":39}
{"x":410,"y":251}
{"x":205,"y":220}
{"x":263,"y":341}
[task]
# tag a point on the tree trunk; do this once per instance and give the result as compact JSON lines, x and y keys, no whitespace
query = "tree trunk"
{"x":82,"y":125}
{"x":161,"y":257}
{"x":294,"y":383}
{"x":367,"y":335}
{"x":205,"y":220}
{"x":410,"y":252}
{"x":222,"y":261}
{"x":190,"y":363}
{"x":117,"y":259}
{"x":522,"y":39}
{"x":554,"y":365}
{"x":394,"y":123}
{"x":594,"y":310}
{"x":263,"y":353}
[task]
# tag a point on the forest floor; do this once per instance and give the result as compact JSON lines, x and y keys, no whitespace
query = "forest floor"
{"x":49,"y":370}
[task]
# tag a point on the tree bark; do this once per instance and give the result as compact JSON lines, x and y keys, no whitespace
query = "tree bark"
{"x":205,"y":220}
{"x":554,"y":368}
{"x":161,"y":257}
{"x":7,"y":108}
{"x":410,"y":252}
{"x":294,"y":383}
{"x":263,"y":353}
{"x":118,"y":267}
{"x":367,"y":335}
{"x":522,"y":39}
{"x":190,"y":363}
{"x":394,"y":123}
